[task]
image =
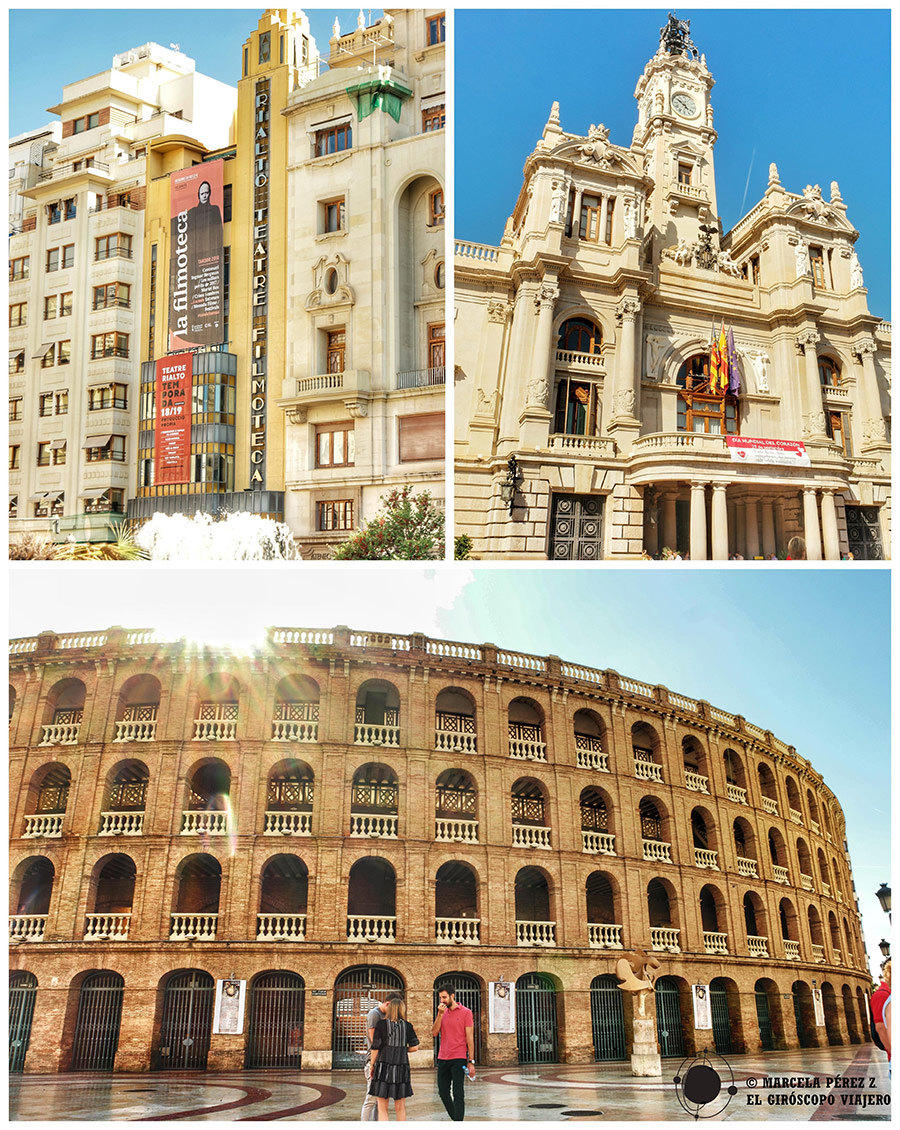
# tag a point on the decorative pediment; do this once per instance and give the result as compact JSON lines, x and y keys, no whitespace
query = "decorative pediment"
{"x":331,"y":286}
{"x":811,"y":206}
{"x":596,"y":152}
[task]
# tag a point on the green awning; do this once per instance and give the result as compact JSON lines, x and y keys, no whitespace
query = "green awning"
{"x":378,"y":94}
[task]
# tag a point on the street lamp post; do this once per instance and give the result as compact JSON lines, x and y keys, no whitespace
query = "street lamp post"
{"x":883,"y":894}
{"x":885,"y":948}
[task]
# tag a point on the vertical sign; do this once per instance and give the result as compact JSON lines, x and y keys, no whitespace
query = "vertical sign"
{"x":702,"y":1011}
{"x":819,"y":1007}
{"x":502,"y":1006}
{"x":196,"y":260}
{"x":173,"y":419}
{"x":260,"y":288}
{"x":229,"y":1015}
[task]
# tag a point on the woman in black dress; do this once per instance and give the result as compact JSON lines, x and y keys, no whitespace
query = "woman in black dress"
{"x":392,"y":1040}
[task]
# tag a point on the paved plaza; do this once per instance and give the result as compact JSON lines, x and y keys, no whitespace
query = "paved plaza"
{"x":556,"y":1092}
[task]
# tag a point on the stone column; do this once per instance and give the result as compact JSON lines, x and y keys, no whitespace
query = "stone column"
{"x":576,"y":213}
{"x":830,"y":538}
{"x":752,"y":530}
{"x":740,"y":526}
{"x":517,"y":365}
{"x":625,"y":425}
{"x":698,"y":521}
{"x":719,"y":523}
{"x":604,"y":215}
{"x":768,"y":527}
{"x":534,"y":422}
{"x":811,"y":525}
{"x":873,"y":429}
{"x":667,"y":519}
{"x":814,"y":412}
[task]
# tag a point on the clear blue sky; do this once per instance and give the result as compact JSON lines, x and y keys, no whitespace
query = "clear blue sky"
{"x":803,"y":652}
{"x":807,"y":89}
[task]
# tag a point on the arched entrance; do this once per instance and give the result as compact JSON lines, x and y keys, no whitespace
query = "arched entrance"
{"x":832,"y":1019}
{"x":22,"y":990}
{"x":607,"y":1019}
{"x":97,"y":1027}
{"x":468,"y":993}
{"x":186,"y":1021}
{"x":536,"y":1027}
{"x":850,"y":1015}
{"x":275,"y":1037}
{"x":668,"y":1017}
{"x":804,"y":1016}
{"x":356,"y":992}
{"x":765,"y":992}
{"x":721,"y":1020}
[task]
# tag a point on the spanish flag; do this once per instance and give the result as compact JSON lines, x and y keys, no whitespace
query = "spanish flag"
{"x":723,"y":360}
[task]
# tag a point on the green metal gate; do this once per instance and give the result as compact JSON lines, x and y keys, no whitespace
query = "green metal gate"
{"x":721,"y":1021}
{"x":764,"y":1020}
{"x":97,"y":1025}
{"x":668,"y":1018}
{"x":468,"y":993}
{"x":275,"y":1034}
{"x":607,"y":1018}
{"x":187,"y":1021}
{"x":536,"y":1032}
{"x":356,"y":992}
{"x":22,"y":990}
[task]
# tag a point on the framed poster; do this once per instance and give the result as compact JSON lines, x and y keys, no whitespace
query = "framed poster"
{"x":819,"y":1007}
{"x":502,"y":1006}
{"x":196,"y":262}
{"x":172,"y":453}
{"x":702,"y":1011}
{"x":228,"y":1019}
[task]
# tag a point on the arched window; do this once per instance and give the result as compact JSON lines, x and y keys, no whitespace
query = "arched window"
{"x":829,"y":373}
{"x":374,"y":802}
{"x":577,"y":398}
{"x":284,"y":887}
{"x":456,"y":807}
{"x":372,"y":901}
{"x":456,"y":905}
{"x":535,"y":925}
{"x":579,"y":335}
{"x":701,"y":409}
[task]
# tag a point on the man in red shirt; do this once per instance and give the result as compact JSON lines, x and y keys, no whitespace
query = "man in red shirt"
{"x":879,"y":997}
{"x":456,"y":1028}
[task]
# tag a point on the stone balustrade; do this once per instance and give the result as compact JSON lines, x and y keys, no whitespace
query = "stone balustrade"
{"x":818,"y":952}
{"x":696,"y":782}
{"x":747,"y":867}
{"x":136,"y":730}
{"x":374,"y":827}
{"x":806,"y":882}
{"x":796,"y":816}
{"x":455,"y":831}
{"x":106,"y":927}
{"x":121,"y":824}
{"x":770,"y":806}
{"x":452,"y":741}
{"x":364,"y":733}
{"x":293,"y":730}
{"x":530,"y":836}
{"x":60,"y":733}
{"x":781,"y":874}
{"x":46,"y":825}
{"x":288,"y":824}
{"x":204,"y":823}
{"x":524,"y":749}
{"x":664,"y":939}
{"x":535,"y":933}
{"x":589,"y":753}
{"x":714,"y":942}
{"x":647,"y":770}
{"x":657,"y":850}
{"x":791,"y":950}
{"x":736,"y":793}
{"x":703,"y":857}
{"x":215,"y":729}
{"x":758,"y":945}
{"x":598,"y":843}
{"x":838,"y":957}
{"x":193,"y":927}
{"x":27,"y":927}
{"x":604,"y":936}
{"x":814,"y":825}
{"x":826,"y":889}
{"x":457,"y":931}
{"x":371,"y":928}
{"x":281,"y":927}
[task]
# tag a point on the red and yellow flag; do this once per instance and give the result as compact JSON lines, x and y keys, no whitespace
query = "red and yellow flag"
{"x":723,"y":360}
{"x":713,"y":360}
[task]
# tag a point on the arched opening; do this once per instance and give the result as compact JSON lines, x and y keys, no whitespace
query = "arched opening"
{"x":849,"y":953}
{"x":813,"y":810}
{"x":12,"y":701}
{"x":454,"y":722}
{"x":768,"y":789}
{"x":63,"y":713}
{"x":198,"y":882}
{"x":535,"y":924}
{"x":290,"y":792}
{"x":22,"y":991}
{"x":654,"y":836}
{"x":30,"y":893}
{"x":530,"y":823}
{"x":420,"y":308}
{"x":672,"y":998}
{"x":111,"y":899}
{"x":725,"y":1006}
{"x":755,"y":925}
{"x":97,"y":1026}
{"x":793,"y":796}
{"x":790,"y":929}
{"x":590,"y":733}
{"x":712,"y":920}
{"x":125,"y":799}
{"x":536,"y":1021}
{"x":768,"y":1015}
{"x":596,"y":831}
{"x":745,"y":849}
{"x":703,"y":836}
{"x":804,"y":1015}
{"x":356,"y":992}
{"x":207,"y":798}
{"x":604,"y":929}
{"x":862,"y":1009}
{"x":372,"y":901}
{"x":832,"y":1018}
{"x":456,"y":807}
{"x":664,"y":934}
{"x":816,"y":933}
{"x":374,"y":802}
{"x":284,"y":886}
{"x":137,"y":710}
{"x":377,"y":714}
{"x":696,"y":775}
{"x":187,"y":1013}
{"x":824,"y":875}
{"x":829,"y":373}
{"x":645,"y":749}
{"x":778,"y":855}
{"x":296,"y":710}
{"x":607,"y":1019}
{"x":456,"y":918}
{"x":577,"y":408}
{"x":275,"y":1029}
{"x":704,"y":403}
{"x":835,"y":936}
{"x":525,"y":729}
{"x":850,"y":1015}
{"x":217,"y":709}
{"x":735,"y":777}
{"x":805,"y":861}
{"x":467,"y":990}
{"x":45,"y":805}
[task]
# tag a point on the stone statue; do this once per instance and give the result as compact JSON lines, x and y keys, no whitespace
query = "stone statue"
{"x":636,"y":976}
{"x":709,"y":116}
{"x":675,"y":38}
{"x":486,"y":404}
{"x":654,"y":345}
{"x":336,"y":28}
{"x":624,"y":402}
{"x":727,"y":264}
{"x":835,"y":193}
{"x":814,"y":424}
{"x":773,"y":173}
{"x":537,"y":395}
{"x":759,"y":361}
{"x":856,"y":275}
{"x":683,"y":253}
{"x":812,"y":192}
{"x":557,"y":201}
{"x":630,"y":218}
{"x":801,"y":259}
{"x":361,"y":20}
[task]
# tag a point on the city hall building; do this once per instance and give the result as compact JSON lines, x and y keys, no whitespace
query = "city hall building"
{"x":221,"y":860}
{"x":592,"y":419}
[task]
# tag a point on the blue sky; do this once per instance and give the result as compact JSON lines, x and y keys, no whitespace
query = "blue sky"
{"x":807,"y":89}
{"x":803,"y":652}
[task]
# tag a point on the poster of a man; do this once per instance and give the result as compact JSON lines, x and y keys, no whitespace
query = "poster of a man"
{"x":196,"y":274}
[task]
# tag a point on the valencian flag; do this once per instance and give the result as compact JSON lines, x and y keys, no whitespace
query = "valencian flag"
{"x":723,"y":361}
{"x":734,"y":370}
{"x":713,"y":360}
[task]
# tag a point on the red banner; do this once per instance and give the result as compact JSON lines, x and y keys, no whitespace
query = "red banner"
{"x":173,"y":419}
{"x":196,"y":257}
{"x":782,"y":452}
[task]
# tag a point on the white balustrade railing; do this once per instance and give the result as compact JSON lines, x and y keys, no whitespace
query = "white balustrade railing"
{"x":524,"y":749}
{"x":647,"y":770}
{"x":371,"y":928}
{"x":281,"y":927}
{"x":664,"y":938}
{"x":535,"y":933}
{"x":106,"y":927}
{"x":365,"y":733}
{"x":770,"y":805}
{"x":758,"y":945}
{"x":591,"y":758}
{"x":288,"y":824}
{"x":796,"y":816}
{"x":838,"y":957}
{"x":657,"y":850}
{"x":482,"y":251}
{"x":814,"y":825}
{"x":215,"y":729}
{"x":781,"y":874}
{"x":455,"y":831}
{"x":703,"y":857}
{"x":457,"y":931}
{"x":27,"y":927}
{"x":291,"y":730}
{"x":791,"y":950}
{"x":136,"y":731}
{"x":806,"y":882}
{"x":747,"y":867}
{"x":121,"y":824}
{"x":374,"y":827}
{"x":202,"y":822}
{"x":696,"y":782}
{"x":60,"y":733}
{"x":736,"y":793}
{"x":818,"y":952}
{"x":826,"y":889}
{"x":451,"y":741}
{"x":529,"y":836}
{"x":47,"y":825}
{"x":598,"y":843}
{"x":603,"y":936}
{"x":188,"y":927}
{"x":714,"y":942}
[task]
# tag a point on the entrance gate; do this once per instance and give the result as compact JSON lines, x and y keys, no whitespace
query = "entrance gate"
{"x":607,"y":1018}
{"x":798,"y":1018}
{"x":668,"y":1018}
{"x":275,"y":1036}
{"x":864,"y":533}
{"x":468,"y":993}
{"x":186,"y":1021}
{"x":97,"y":1026}
{"x":764,"y":1020}
{"x":22,"y":990}
{"x":576,"y":527}
{"x":536,"y":1032}
{"x":356,"y":992}
{"x":721,"y":1022}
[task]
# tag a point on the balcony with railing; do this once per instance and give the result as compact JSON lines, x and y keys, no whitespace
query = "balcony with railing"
{"x":758,"y":945}
{"x":806,"y":882}
{"x":382,"y":733}
{"x":64,"y":728}
{"x":696,"y":782}
{"x":137,"y":724}
{"x":747,"y":867}
{"x":665,"y":939}
{"x":281,"y":927}
{"x":791,"y":950}
{"x":597,"y":843}
{"x":193,"y":927}
{"x":319,"y":388}
{"x":455,"y":830}
{"x":781,"y":874}
{"x":703,"y":857}
{"x":526,"y":742}
{"x":736,"y":793}
{"x":646,"y":769}
{"x":46,"y":825}
{"x":604,"y":936}
{"x":287,"y":823}
{"x":818,"y":953}
{"x":657,"y":850}
{"x":296,"y":722}
{"x":838,"y":956}
{"x":217,"y":722}
{"x":589,"y":753}
{"x":121,"y":824}
{"x":202,"y":822}
{"x":454,"y":733}
{"x":421,"y":378}
{"x":714,"y":942}
{"x":457,"y":931}
{"x":530,"y":836}
{"x":371,"y":928}
{"x":27,"y":927}
{"x":770,"y":806}
{"x":536,"y":934}
{"x":796,"y":816}
{"x":106,"y":927}
{"x":814,"y":825}
{"x":826,"y":889}
{"x":374,"y":826}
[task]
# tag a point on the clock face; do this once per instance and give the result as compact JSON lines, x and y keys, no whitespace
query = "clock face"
{"x":683,"y":104}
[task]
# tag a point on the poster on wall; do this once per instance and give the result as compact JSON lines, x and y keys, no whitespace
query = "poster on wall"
{"x":172,"y":453}
{"x":780,"y":452}
{"x":196,"y":257}
{"x":502,"y":1010}
{"x":228,"y":1019}
{"x":702,"y":1012}
{"x":819,"y":1007}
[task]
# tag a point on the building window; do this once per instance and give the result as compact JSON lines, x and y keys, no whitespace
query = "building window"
{"x":102,"y":448}
{"x":64,"y":352}
{"x":65,"y":304}
{"x":335,"y":345}
{"x":107,"y":396}
{"x":15,"y":453}
{"x":61,"y":402}
{"x":112,"y":294}
{"x":575,"y":408}
{"x":335,"y":515}
{"x":54,"y":213}
{"x":701,"y":409}
{"x":829,"y":374}
{"x":50,"y":305}
{"x":227,"y":193}
{"x":754,"y":270}
{"x":112,"y":500}
{"x":440,"y":275}
{"x":54,"y":403}
{"x":49,"y":358}
{"x":50,"y":507}
{"x":265,"y":46}
{"x":17,"y":363}
{"x":685,"y":172}
{"x":43,"y":454}
{"x":111,"y":246}
{"x":333,"y":215}
{"x":90,"y":121}
{"x":817,"y":264}
{"x":110,"y":344}
{"x":51,"y":452}
{"x":19,"y":268}
{"x":436,"y":353}
{"x":334,"y":445}
{"x":579,"y":335}
{"x":15,"y":408}
{"x":435,"y":29}
{"x":69,"y":209}
{"x":45,"y":404}
{"x":421,"y":437}
{"x":18,"y":314}
{"x":335,"y":139}
{"x":592,"y":226}
{"x":68,"y":256}
{"x":13,"y":506}
{"x":436,"y":208}
{"x":837,"y":426}
{"x":433,"y":117}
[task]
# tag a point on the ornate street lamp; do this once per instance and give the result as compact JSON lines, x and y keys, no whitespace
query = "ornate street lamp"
{"x":885,"y":948}
{"x":883,"y":894}
{"x":510,"y":484}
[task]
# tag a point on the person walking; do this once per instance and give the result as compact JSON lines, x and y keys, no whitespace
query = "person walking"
{"x":392,"y":1042}
{"x":879,"y":998}
{"x":456,"y":1028}
{"x":370,"y":1106}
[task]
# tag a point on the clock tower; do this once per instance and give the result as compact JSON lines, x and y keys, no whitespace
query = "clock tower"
{"x":676,"y":133}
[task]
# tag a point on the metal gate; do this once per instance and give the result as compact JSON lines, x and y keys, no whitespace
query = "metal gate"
{"x":356,"y":992}
{"x":721,"y":1021}
{"x":22,"y":990}
{"x":764,"y":1020}
{"x":668,"y":1018}
{"x":468,"y":993}
{"x":798,"y":1018}
{"x":607,"y":1018}
{"x":536,"y":1033}
{"x":186,"y":1021}
{"x":864,"y":533}
{"x":275,"y":1036}
{"x":577,"y":527}
{"x":97,"y":1026}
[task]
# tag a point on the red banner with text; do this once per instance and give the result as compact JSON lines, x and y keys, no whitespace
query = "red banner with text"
{"x":173,"y":419}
